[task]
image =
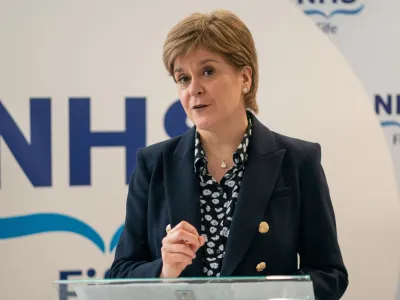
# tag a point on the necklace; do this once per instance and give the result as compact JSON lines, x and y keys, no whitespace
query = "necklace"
{"x":223,"y":161}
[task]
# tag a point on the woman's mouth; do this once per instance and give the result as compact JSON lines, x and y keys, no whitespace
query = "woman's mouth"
{"x":200,"y":106}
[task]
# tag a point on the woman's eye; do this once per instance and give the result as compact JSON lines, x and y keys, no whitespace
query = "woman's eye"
{"x":208,"y":72}
{"x":183,"y":79}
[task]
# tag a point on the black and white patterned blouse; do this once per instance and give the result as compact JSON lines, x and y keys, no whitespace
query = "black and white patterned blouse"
{"x":217,"y":202}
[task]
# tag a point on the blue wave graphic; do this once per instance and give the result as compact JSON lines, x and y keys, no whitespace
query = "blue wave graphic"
{"x":19,"y":226}
{"x":311,"y":12}
{"x":354,"y":11}
{"x":390,"y":123}
{"x":347,"y":11}
{"x":115,"y":238}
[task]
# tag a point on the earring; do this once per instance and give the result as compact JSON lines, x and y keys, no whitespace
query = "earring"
{"x":245,"y":90}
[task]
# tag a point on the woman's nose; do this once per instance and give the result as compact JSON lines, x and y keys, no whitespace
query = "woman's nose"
{"x":195,"y":88}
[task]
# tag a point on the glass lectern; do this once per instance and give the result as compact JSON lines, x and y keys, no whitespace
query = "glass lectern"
{"x":204,"y":288}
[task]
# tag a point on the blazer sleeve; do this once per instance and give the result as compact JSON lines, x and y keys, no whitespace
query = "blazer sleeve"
{"x":133,"y":257}
{"x":320,"y":255}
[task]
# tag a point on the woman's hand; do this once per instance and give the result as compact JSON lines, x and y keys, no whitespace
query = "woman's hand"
{"x":179,"y":248}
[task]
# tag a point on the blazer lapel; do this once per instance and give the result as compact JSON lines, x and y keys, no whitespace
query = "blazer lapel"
{"x":183,"y":192}
{"x":261,"y":172}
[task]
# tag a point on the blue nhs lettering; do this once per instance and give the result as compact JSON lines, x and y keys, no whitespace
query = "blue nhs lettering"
{"x":63,"y":289}
{"x":389,"y":104}
{"x":82,"y":139}
{"x":35,"y":157}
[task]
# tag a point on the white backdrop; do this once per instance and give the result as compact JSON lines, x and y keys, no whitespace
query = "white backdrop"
{"x":55,"y":221}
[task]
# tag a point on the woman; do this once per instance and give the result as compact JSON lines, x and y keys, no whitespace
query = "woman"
{"x":235,"y":198}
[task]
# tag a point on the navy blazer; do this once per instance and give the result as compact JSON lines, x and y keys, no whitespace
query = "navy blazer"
{"x":283,"y":184}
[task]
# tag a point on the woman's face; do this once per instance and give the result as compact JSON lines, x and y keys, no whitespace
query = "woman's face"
{"x":209,"y":88}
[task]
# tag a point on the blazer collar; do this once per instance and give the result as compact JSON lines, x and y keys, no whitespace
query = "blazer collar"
{"x":182,"y":190}
{"x":261,"y":173}
{"x":186,"y":144}
{"x":263,"y":141}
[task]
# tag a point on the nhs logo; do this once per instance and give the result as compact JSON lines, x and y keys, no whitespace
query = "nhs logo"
{"x":387,"y":107}
{"x":35,"y":157}
{"x":324,"y":11}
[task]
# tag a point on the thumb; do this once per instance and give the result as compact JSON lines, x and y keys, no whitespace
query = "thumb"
{"x":202,"y":240}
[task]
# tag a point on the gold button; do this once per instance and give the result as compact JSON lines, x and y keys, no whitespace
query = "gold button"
{"x":168,"y":228}
{"x":261,"y":266}
{"x":263,"y":227}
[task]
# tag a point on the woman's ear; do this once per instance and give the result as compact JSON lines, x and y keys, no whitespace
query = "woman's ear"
{"x":246,"y":77}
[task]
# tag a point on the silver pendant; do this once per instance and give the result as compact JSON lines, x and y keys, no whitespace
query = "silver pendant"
{"x":223,"y":164}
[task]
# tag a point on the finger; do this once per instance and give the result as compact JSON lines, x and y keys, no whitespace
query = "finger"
{"x":185,"y":225}
{"x":176,"y":258}
{"x":182,"y":235}
{"x":179,"y":248}
{"x":178,"y":238}
{"x":202,"y":241}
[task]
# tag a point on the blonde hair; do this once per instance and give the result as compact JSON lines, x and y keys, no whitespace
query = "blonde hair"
{"x":220,"y":31}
